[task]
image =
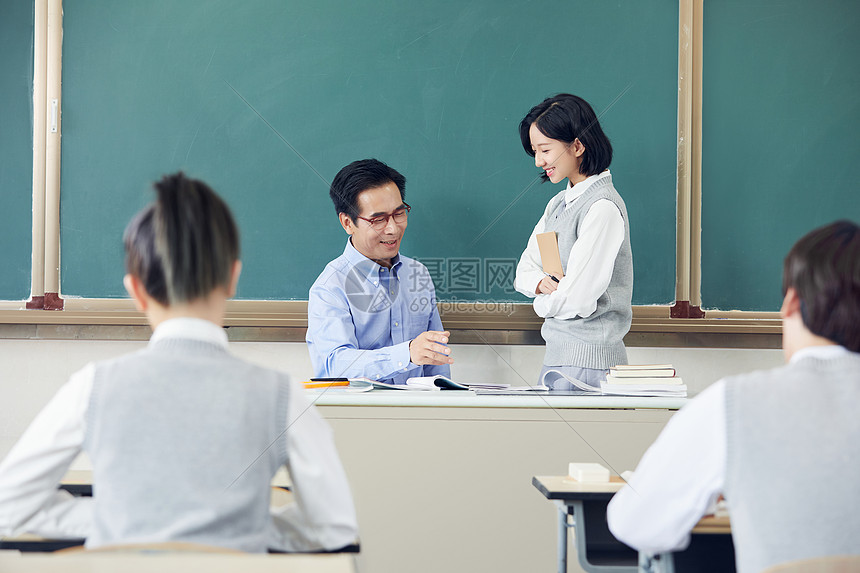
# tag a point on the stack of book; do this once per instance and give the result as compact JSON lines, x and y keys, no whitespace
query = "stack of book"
{"x":644,"y":380}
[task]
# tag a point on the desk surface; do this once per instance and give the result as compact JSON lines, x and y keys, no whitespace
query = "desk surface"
{"x":78,"y":477}
{"x":565,"y":488}
{"x":12,"y":562}
{"x":80,"y":481}
{"x":466,"y":399}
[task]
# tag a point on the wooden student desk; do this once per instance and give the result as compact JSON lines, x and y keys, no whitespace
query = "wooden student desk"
{"x":83,"y":562}
{"x":79,"y":484}
{"x":599,"y":551}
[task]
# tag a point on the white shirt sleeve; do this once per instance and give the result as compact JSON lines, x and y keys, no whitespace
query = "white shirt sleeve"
{"x":530,"y":269}
{"x":323,"y":514}
{"x":678,"y":479}
{"x":30,"y":474}
{"x":589,"y":266}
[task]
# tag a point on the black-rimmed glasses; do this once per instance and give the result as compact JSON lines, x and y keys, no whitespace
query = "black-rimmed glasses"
{"x":379,"y":222}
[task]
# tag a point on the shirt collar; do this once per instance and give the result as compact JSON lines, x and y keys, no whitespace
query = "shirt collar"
{"x":195,"y":328}
{"x":827,"y":352}
{"x":368,"y":267}
{"x":573,"y":192}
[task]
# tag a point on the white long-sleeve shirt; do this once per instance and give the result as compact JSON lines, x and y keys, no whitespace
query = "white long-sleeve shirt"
{"x":589,"y":265}
{"x":323,"y":514}
{"x":682,"y":474}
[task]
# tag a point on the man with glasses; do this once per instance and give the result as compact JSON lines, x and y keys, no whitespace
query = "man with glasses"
{"x":372,"y":312}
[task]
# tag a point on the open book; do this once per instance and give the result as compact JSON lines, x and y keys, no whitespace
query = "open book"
{"x":665,"y":387}
{"x":424,"y":383}
{"x":512,"y":390}
{"x":439,"y":382}
{"x":366,"y":384}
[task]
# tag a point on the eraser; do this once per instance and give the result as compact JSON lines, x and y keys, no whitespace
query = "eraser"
{"x":588,"y":472}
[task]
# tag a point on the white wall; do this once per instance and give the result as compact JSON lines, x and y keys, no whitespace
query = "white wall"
{"x":32,"y":370}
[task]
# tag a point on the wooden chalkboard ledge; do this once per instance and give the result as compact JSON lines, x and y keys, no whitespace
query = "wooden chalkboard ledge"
{"x":478,"y":323}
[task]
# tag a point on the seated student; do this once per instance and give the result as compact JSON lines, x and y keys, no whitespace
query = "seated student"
{"x":372,"y":312}
{"x":184,"y":438}
{"x":782,"y":445}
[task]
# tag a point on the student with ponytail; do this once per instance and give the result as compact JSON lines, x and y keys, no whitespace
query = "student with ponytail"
{"x":184,"y":438}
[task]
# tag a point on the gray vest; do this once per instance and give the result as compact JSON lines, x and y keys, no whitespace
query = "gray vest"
{"x":595,"y":341}
{"x":184,"y":440}
{"x":793,"y":446}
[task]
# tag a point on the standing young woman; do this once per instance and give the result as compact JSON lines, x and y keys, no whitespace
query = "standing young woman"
{"x":588,"y":311}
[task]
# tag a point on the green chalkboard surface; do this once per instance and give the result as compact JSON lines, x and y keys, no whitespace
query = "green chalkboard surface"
{"x":16,"y":148}
{"x":781,"y":150}
{"x":266,"y":100}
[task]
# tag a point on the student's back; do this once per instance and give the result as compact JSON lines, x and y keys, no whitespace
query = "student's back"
{"x":184,"y":438}
{"x":792,"y":454}
{"x":174,"y":430}
{"x":783,"y":445}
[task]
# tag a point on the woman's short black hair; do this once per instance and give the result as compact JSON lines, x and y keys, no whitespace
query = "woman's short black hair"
{"x":360,"y":176}
{"x":823,"y":268}
{"x":184,"y":244}
{"x":566,"y":117}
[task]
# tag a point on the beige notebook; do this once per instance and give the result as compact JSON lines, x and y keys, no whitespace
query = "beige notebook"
{"x":549,"y":256}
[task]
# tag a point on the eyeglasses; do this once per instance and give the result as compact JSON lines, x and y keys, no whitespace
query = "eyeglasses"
{"x":379,"y":222}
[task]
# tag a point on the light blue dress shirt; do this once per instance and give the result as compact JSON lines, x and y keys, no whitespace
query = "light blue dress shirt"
{"x":362,"y":316}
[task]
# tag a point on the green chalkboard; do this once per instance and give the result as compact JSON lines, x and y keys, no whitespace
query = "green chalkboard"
{"x":266,"y":100}
{"x":781,"y":150}
{"x":16,"y":148}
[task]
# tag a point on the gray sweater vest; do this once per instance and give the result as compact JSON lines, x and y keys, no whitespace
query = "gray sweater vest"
{"x":595,"y":341}
{"x":793,"y":461}
{"x":184,"y":440}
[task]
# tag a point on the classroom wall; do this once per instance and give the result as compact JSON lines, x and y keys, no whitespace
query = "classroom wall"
{"x":32,"y":370}
{"x":494,"y":448}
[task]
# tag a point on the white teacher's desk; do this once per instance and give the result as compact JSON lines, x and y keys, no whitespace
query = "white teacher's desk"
{"x":442,"y":480}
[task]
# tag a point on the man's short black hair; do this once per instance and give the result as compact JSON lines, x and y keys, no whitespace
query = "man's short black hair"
{"x":360,"y":176}
{"x":823,"y":268}
{"x":567,"y":117}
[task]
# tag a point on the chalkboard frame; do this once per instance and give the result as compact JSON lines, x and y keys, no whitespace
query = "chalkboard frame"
{"x":644,"y":166}
{"x":714,"y":320}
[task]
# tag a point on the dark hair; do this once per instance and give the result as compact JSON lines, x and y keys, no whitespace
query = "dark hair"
{"x":567,"y":117}
{"x":183,"y":245}
{"x":360,"y":176}
{"x":823,"y":268}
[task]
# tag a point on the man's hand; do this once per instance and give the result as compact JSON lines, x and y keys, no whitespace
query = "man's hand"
{"x":429,"y":348}
{"x":547,"y":285}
